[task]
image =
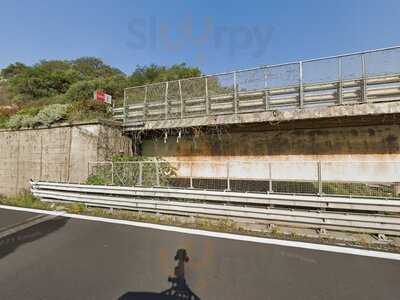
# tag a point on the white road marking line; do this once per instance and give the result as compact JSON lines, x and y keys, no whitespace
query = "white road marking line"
{"x":230,"y":236}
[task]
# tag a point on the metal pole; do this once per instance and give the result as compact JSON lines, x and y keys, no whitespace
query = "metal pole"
{"x":125,"y":108}
{"x":364,"y":80}
{"x":112,"y":173}
{"x":157,"y":174}
{"x":191,"y":175}
{"x":145,"y":104}
{"x":266,"y":92}
{"x":301,"y":94}
{"x":207,"y":99}
{"x":340,"y":79}
{"x":235,"y":94}
{"x":181,"y":98}
{"x":166,"y":100}
{"x":140,"y":173}
{"x":319,"y":169}
{"x":270,"y":190}
{"x":228,"y":180}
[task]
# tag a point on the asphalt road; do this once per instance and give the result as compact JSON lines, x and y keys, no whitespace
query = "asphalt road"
{"x":77,"y":259}
{"x":10,"y":217}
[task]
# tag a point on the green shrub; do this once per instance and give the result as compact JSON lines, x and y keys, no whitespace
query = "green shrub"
{"x":96,"y":180}
{"x":85,"y":110}
{"x":32,"y":116}
{"x":52,"y":113}
{"x":15,"y":121}
{"x":3,"y":121}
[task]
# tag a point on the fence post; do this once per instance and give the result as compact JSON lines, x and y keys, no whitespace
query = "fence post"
{"x":157,"y":174}
{"x":319,"y":170}
{"x":228,"y":179}
{"x":235,"y":93}
{"x":166,"y":100}
{"x":112,"y":173}
{"x":125,"y":108}
{"x":340,"y":84}
{"x":364,"y":80}
{"x":266,"y":91}
{"x":270,"y":190}
{"x":140,"y":173}
{"x":207,"y":98}
{"x":191,"y":175}
{"x":145,"y":104}
{"x":88,"y":170}
{"x":301,"y":94}
{"x":181,"y":99}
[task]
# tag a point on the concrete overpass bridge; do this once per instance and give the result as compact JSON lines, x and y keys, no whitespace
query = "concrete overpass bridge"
{"x":350,"y":85}
{"x":338,"y":109}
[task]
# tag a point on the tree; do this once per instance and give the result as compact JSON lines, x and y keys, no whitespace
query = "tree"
{"x":14,"y":70}
{"x":92,"y":67}
{"x":153,"y":73}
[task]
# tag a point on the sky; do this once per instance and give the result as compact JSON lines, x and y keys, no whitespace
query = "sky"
{"x":216,"y":36}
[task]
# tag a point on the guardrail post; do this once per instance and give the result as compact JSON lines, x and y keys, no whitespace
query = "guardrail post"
{"x":207,"y":99}
{"x":191,"y":175}
{"x":319,"y":170}
{"x":301,"y":92}
{"x":181,"y":99}
{"x":166,"y":100}
{"x":270,"y":190}
{"x":140,"y":174}
{"x":364,"y":97}
{"x":235,"y":93}
{"x":157,"y":174}
{"x":340,"y":82}
{"x":228,"y":179}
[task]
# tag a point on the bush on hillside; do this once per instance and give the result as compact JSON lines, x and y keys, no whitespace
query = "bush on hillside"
{"x":52,"y":113}
{"x":88,"y":110}
{"x":31,"y":117}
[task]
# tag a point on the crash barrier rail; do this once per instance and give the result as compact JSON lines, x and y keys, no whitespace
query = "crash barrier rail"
{"x":370,"y":76}
{"x":365,"y":215}
{"x":345,"y":178}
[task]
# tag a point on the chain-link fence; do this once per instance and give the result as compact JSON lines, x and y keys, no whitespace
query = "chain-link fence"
{"x":369,"y":179}
{"x":282,"y":86}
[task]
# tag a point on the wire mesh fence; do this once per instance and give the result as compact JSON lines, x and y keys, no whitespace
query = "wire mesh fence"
{"x":368,"y":179}
{"x":219,"y":93}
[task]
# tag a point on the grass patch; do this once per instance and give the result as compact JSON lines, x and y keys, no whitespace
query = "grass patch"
{"x":25,"y":199}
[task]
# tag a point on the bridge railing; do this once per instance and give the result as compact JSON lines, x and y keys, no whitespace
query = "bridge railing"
{"x":350,"y":78}
{"x":341,"y":178}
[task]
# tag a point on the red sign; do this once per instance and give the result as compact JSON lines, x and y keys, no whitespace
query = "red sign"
{"x":102,"y":97}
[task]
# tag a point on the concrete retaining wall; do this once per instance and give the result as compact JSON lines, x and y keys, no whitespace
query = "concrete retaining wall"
{"x":299,"y":148}
{"x":59,"y":153}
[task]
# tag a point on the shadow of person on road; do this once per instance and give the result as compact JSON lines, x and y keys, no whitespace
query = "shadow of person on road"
{"x":179,"y":289}
{"x":10,"y":243}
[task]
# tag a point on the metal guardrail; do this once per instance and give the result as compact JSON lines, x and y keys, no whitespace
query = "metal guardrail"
{"x":358,"y":214}
{"x":361,"y":77}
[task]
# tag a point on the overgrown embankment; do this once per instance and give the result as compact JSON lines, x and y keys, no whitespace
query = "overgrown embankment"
{"x":62,"y":90}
